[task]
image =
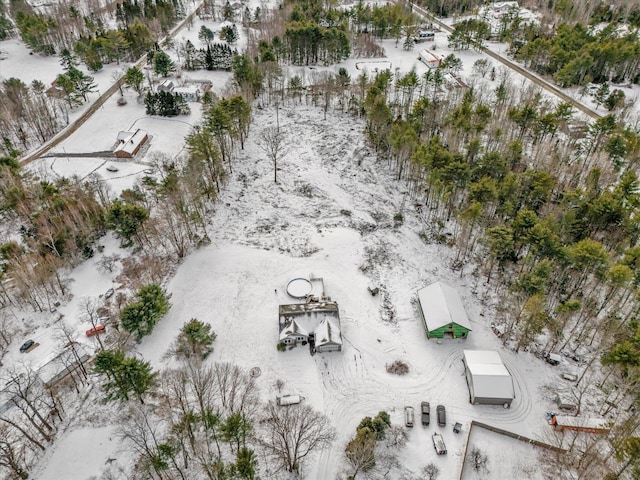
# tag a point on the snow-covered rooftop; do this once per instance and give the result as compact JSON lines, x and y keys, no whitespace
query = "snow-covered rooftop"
{"x":441,"y":305}
{"x":490,"y":377}
{"x":303,"y":318}
{"x":327,"y":332}
{"x":130,"y":141}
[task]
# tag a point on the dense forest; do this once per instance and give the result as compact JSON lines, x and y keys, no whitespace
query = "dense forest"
{"x":535,"y":202}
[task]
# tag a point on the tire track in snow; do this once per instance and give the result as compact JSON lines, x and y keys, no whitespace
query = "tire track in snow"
{"x":523,"y":404}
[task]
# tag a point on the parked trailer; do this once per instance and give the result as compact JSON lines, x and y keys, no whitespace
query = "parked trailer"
{"x":430,"y":59}
{"x":285,"y":400}
{"x":424,"y":36}
{"x":438,"y":444}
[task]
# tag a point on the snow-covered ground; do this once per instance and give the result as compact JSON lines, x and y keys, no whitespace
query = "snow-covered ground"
{"x":333,"y":204}
{"x":506,"y":457}
{"x":330,"y":215}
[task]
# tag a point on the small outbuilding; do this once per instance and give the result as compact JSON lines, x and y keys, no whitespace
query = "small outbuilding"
{"x":489,"y":381}
{"x":430,"y":59}
{"x":442,"y":312}
{"x":129,"y":143}
{"x":580,"y":424}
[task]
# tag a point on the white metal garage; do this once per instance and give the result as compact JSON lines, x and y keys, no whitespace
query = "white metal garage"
{"x":489,"y":381}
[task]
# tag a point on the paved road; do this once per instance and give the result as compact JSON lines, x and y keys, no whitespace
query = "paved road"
{"x":514,"y":66}
{"x":72,"y":127}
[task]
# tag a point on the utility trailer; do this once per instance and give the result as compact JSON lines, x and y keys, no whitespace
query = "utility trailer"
{"x":438,"y":444}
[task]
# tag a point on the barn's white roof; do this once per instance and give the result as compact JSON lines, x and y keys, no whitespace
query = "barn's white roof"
{"x":490,"y":377}
{"x":441,"y":305}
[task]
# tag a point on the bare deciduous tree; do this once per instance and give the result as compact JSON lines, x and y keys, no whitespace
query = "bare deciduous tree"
{"x":430,"y":471}
{"x":145,"y":433}
{"x":89,"y":307}
{"x":292,"y":433}
{"x":236,"y":389}
{"x":12,"y":454}
{"x":107,"y":263}
{"x":478,"y":460}
{"x":7,"y":329}
{"x":67,"y":338}
{"x":30,"y":397}
{"x":395,"y":437}
{"x":273,"y":144}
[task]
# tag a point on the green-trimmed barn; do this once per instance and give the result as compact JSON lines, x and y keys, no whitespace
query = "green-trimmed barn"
{"x":442,"y":312}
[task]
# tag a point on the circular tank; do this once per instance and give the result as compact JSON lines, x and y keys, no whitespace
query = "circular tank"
{"x":299,"y":287}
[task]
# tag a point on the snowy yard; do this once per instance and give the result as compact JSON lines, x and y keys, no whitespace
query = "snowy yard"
{"x":336,"y":213}
{"x":330,"y":215}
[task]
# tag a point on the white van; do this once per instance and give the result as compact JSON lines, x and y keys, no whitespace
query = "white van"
{"x":285,"y":400}
{"x":408,"y":416}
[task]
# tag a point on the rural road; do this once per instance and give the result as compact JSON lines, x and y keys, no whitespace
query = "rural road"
{"x":73,"y":126}
{"x":514,"y":66}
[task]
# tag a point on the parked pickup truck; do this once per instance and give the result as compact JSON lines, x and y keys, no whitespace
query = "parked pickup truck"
{"x":426,"y":411}
{"x":438,"y":444}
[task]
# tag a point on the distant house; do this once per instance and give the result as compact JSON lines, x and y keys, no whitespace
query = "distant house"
{"x":166,"y":86}
{"x":501,"y":8}
{"x":442,"y":312}
{"x":190,"y":93}
{"x":317,"y":323}
{"x":489,"y":381}
{"x":129,"y":143}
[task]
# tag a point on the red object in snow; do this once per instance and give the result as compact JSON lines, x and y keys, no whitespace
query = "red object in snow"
{"x":95,"y":330}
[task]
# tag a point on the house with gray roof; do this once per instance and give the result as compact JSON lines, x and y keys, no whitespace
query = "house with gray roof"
{"x":316,"y":323}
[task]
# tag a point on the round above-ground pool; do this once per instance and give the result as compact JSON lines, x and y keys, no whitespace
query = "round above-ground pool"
{"x":299,"y":288}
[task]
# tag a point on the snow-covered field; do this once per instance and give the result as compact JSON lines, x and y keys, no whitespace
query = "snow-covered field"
{"x":333,"y":205}
{"x":330,"y":215}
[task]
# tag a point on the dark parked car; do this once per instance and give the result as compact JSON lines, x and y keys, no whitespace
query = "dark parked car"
{"x":442,"y":416}
{"x":426,"y":411}
{"x":26,"y":345}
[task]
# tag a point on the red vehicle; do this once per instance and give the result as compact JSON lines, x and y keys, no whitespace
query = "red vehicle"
{"x":95,"y":330}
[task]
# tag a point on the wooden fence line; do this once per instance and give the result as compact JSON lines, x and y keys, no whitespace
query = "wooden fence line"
{"x":517,"y":436}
